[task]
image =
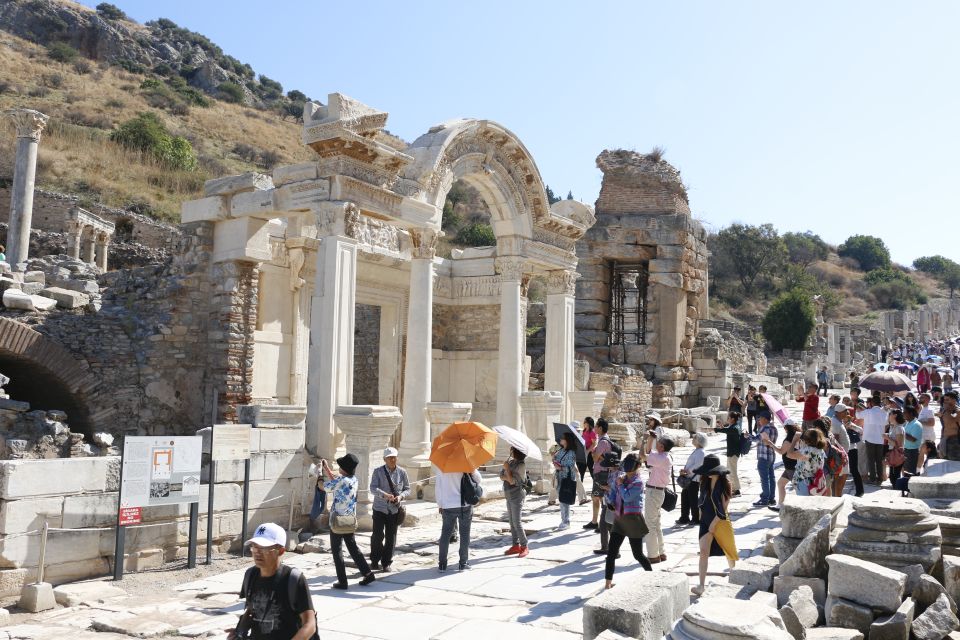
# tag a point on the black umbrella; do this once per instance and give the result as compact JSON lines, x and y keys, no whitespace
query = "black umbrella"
{"x":560,"y":428}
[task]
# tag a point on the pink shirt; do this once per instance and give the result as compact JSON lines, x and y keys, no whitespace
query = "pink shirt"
{"x":589,"y":437}
{"x":659,"y":464}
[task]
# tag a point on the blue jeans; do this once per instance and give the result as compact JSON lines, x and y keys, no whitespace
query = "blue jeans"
{"x":450,"y":518}
{"x":767,"y":483}
{"x":803,"y":488}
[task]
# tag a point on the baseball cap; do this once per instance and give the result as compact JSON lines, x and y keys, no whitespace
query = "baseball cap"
{"x":268,"y":534}
{"x":389,"y":452}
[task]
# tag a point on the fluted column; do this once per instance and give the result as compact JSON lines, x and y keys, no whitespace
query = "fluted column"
{"x":103,"y":246}
{"x":510,"y":362}
{"x":558,"y":359}
{"x":415,"y":436}
{"x":89,"y":248}
{"x":29,"y":125}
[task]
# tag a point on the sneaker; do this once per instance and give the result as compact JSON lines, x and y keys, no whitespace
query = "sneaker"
{"x":515,"y":549}
{"x":695,"y":523}
{"x":340,"y":585}
{"x":683,"y":521}
{"x":591,"y":525}
{"x":761,"y":503}
{"x":387,"y":568}
{"x":563,"y":526}
{"x":442,"y":567}
{"x":774,"y":507}
{"x":367,"y":579}
{"x":600,"y":552}
{"x":524,"y":552}
{"x":464,"y":566}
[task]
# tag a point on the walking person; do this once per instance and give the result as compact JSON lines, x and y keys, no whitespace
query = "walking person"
{"x":822,"y":382}
{"x":848,"y":435}
{"x":912,"y":439}
{"x":565,"y":465}
{"x":513,"y":473}
{"x":735,"y":435}
{"x":949,"y":446}
{"x":715,"y":494}
{"x":766,"y":457}
{"x":605,"y":479}
{"x":809,"y":476}
{"x":457,"y":493}
{"x":390,"y":486}
{"x":893,"y":443}
{"x":343,"y":519}
{"x":277,"y":603}
{"x":626,"y":497}
{"x":751,"y":407}
{"x":790,"y":442}
{"x":660,"y":464}
{"x":690,"y":495}
{"x":603,"y":445}
{"x":589,"y":441}
{"x":875,"y":422}
{"x":928,"y":420}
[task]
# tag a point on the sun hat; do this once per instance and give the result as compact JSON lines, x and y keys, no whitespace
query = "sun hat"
{"x":653,"y":415}
{"x":840,"y":408}
{"x":389,"y":452}
{"x":268,"y":535}
{"x":711,"y":467}
{"x":348,"y":462}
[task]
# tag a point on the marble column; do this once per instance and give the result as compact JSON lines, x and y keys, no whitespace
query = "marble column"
{"x":330,"y":369}
{"x":367,"y":429}
{"x":511,"y":346}
{"x":89,"y":249}
{"x":74,"y":238}
{"x":29,"y":125}
{"x":302,"y":266}
{"x":586,"y":403}
{"x":441,"y":415}
{"x":415,"y":437}
{"x":559,"y":355}
{"x":103,"y":246}
{"x":540,"y":410}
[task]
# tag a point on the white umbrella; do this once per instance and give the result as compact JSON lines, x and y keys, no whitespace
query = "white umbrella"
{"x":519,"y":441}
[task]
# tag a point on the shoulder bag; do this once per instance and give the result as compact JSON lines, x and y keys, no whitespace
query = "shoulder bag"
{"x":567,"y":488}
{"x":895,"y":457}
{"x":343,"y":523}
{"x":401,"y":510}
{"x":670,"y":495}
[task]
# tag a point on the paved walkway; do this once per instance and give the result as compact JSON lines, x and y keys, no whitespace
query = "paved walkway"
{"x":540,"y":596}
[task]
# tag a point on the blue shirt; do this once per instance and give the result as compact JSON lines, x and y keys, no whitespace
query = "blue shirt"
{"x":915,"y":429}
{"x":626,"y":498}
{"x":766,"y":452}
{"x":344,"y":490}
{"x":567,"y":460}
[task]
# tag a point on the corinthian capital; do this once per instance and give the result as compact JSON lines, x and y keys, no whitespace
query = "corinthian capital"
{"x":424,"y":243}
{"x":562,"y":281}
{"x":29,"y":123}
{"x":510,"y":268}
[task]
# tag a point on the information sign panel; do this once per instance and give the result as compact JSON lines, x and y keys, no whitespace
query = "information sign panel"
{"x":230,"y":442}
{"x":160,"y":470}
{"x":130,"y":515}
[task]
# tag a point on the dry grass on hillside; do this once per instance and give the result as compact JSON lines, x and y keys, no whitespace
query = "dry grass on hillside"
{"x":76,"y":155}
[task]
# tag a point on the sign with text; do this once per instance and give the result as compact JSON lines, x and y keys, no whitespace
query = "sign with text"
{"x":160,"y":470}
{"x":130,"y":515}
{"x":230,"y":442}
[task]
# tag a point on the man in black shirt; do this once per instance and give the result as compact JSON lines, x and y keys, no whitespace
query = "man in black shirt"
{"x":278,"y":603}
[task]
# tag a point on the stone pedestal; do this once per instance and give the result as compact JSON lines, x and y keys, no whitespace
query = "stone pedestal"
{"x":29,"y":125}
{"x":415,"y":437}
{"x":367,"y":429}
{"x":540,"y":410}
{"x":585,"y":403}
{"x":441,"y":415}
{"x":510,"y":364}
{"x":37,"y":597}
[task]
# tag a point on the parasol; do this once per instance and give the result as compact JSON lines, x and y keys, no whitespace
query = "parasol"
{"x":463,"y":446}
{"x":881,"y":366}
{"x":560,"y":428}
{"x":519,"y":441}
{"x":889,"y":381}
{"x":775,"y":407}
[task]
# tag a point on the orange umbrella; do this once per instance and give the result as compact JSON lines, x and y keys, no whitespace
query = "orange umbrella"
{"x":463,"y":446}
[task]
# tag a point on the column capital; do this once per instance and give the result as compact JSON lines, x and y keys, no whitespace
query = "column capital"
{"x":29,"y":123}
{"x":511,"y":268}
{"x":424,"y":243}
{"x":562,"y":281}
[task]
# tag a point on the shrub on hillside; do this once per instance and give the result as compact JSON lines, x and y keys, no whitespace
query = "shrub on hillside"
{"x":82,"y":67}
{"x":869,"y":251}
{"x":62,"y":52}
{"x":896,"y":294}
{"x":110,"y":12}
{"x":231,"y":92}
{"x":886,"y":274}
{"x":805,"y":248}
{"x":476,"y":235}
{"x":147,"y":133}
{"x":934,"y":265}
{"x":790,"y":320}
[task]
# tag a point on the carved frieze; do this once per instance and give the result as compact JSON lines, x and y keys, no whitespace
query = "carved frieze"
{"x":511,"y":268}
{"x":424,"y":243}
{"x":562,"y":281}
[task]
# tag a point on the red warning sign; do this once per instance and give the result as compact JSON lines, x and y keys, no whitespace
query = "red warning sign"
{"x":130,"y":515}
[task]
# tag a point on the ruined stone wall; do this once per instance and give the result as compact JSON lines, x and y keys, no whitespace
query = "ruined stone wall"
{"x":366,"y":355}
{"x":629,"y":393}
{"x":466,"y":328}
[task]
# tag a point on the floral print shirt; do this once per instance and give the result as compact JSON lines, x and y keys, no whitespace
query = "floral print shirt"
{"x":344,"y":490}
{"x":806,"y":469}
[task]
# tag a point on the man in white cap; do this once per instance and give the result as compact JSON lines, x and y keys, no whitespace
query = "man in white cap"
{"x":390,"y":486}
{"x":278,"y":604}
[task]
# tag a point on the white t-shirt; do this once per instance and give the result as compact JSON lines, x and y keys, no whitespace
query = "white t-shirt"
{"x":874,"y":424}
{"x":929,"y":433}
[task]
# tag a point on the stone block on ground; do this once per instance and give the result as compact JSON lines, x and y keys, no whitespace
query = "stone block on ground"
{"x":726,"y":590}
{"x":645,"y":607}
{"x":66,"y":299}
{"x":40,"y":303}
{"x":804,"y":605}
{"x":86,"y":593}
{"x":729,"y":618}
{"x":800,"y":513}
{"x":809,"y":560}
{"x":610,"y":634}
{"x":782,"y":546}
{"x":866,"y":583}
{"x":936,"y":622}
{"x":31,"y":288}
{"x":755,"y":572}
{"x":793,"y":624}
{"x":16,"y":299}
{"x":783,"y":586}
{"x":913,"y":573}
{"x":37,"y":597}
{"x":951,"y":576}
{"x":895,"y":626}
{"x":848,"y":614}
{"x":833,"y":633}
{"x":926,"y":592}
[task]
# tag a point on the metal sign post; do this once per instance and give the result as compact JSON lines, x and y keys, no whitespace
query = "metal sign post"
{"x":211,"y":483}
{"x":246,"y":505}
{"x":230,"y":442}
{"x":192,"y":544}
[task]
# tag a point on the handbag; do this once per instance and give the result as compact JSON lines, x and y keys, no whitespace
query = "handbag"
{"x":670,"y":495}
{"x":684,"y":481}
{"x":631,"y":525}
{"x":567,"y":492}
{"x":895,"y":457}
{"x":343,"y":524}
{"x":818,"y":483}
{"x":401,"y":510}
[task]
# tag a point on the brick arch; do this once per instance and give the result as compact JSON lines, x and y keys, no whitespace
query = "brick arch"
{"x":28,"y":350}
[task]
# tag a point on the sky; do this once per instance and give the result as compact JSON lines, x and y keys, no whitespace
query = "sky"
{"x":835,"y":117}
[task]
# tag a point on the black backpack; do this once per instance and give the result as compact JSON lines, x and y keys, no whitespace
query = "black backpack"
{"x":292,"y":579}
{"x":470,"y":490}
{"x":613,"y":446}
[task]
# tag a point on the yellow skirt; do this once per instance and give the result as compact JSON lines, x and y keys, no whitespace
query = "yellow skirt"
{"x":723,"y":534}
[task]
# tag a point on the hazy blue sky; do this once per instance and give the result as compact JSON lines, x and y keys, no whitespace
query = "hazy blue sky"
{"x":838,"y":117}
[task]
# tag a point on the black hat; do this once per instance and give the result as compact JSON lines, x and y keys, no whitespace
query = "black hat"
{"x":348,"y":462}
{"x":711,"y":467}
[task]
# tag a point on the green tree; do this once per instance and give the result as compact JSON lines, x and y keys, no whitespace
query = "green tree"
{"x":147,"y":133}
{"x":790,"y":320}
{"x":896,"y":294}
{"x":297,"y":96}
{"x":110,"y":12}
{"x":569,"y":195}
{"x":476,"y":235}
{"x":886,"y":274}
{"x":231,"y":92}
{"x":551,"y":196}
{"x":869,"y":251}
{"x":751,"y":252}
{"x":951,"y":278}
{"x":934,"y":265}
{"x":805,"y":248}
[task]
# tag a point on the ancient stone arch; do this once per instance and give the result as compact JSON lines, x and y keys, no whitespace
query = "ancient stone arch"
{"x":34,"y":361}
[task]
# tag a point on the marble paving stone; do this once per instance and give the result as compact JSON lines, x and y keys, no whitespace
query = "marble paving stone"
{"x":481,"y":629}
{"x":388,"y":624}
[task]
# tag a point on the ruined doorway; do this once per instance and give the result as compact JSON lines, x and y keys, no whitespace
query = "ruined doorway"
{"x":366,"y":354}
{"x":36,"y":385}
{"x":628,"y":303}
